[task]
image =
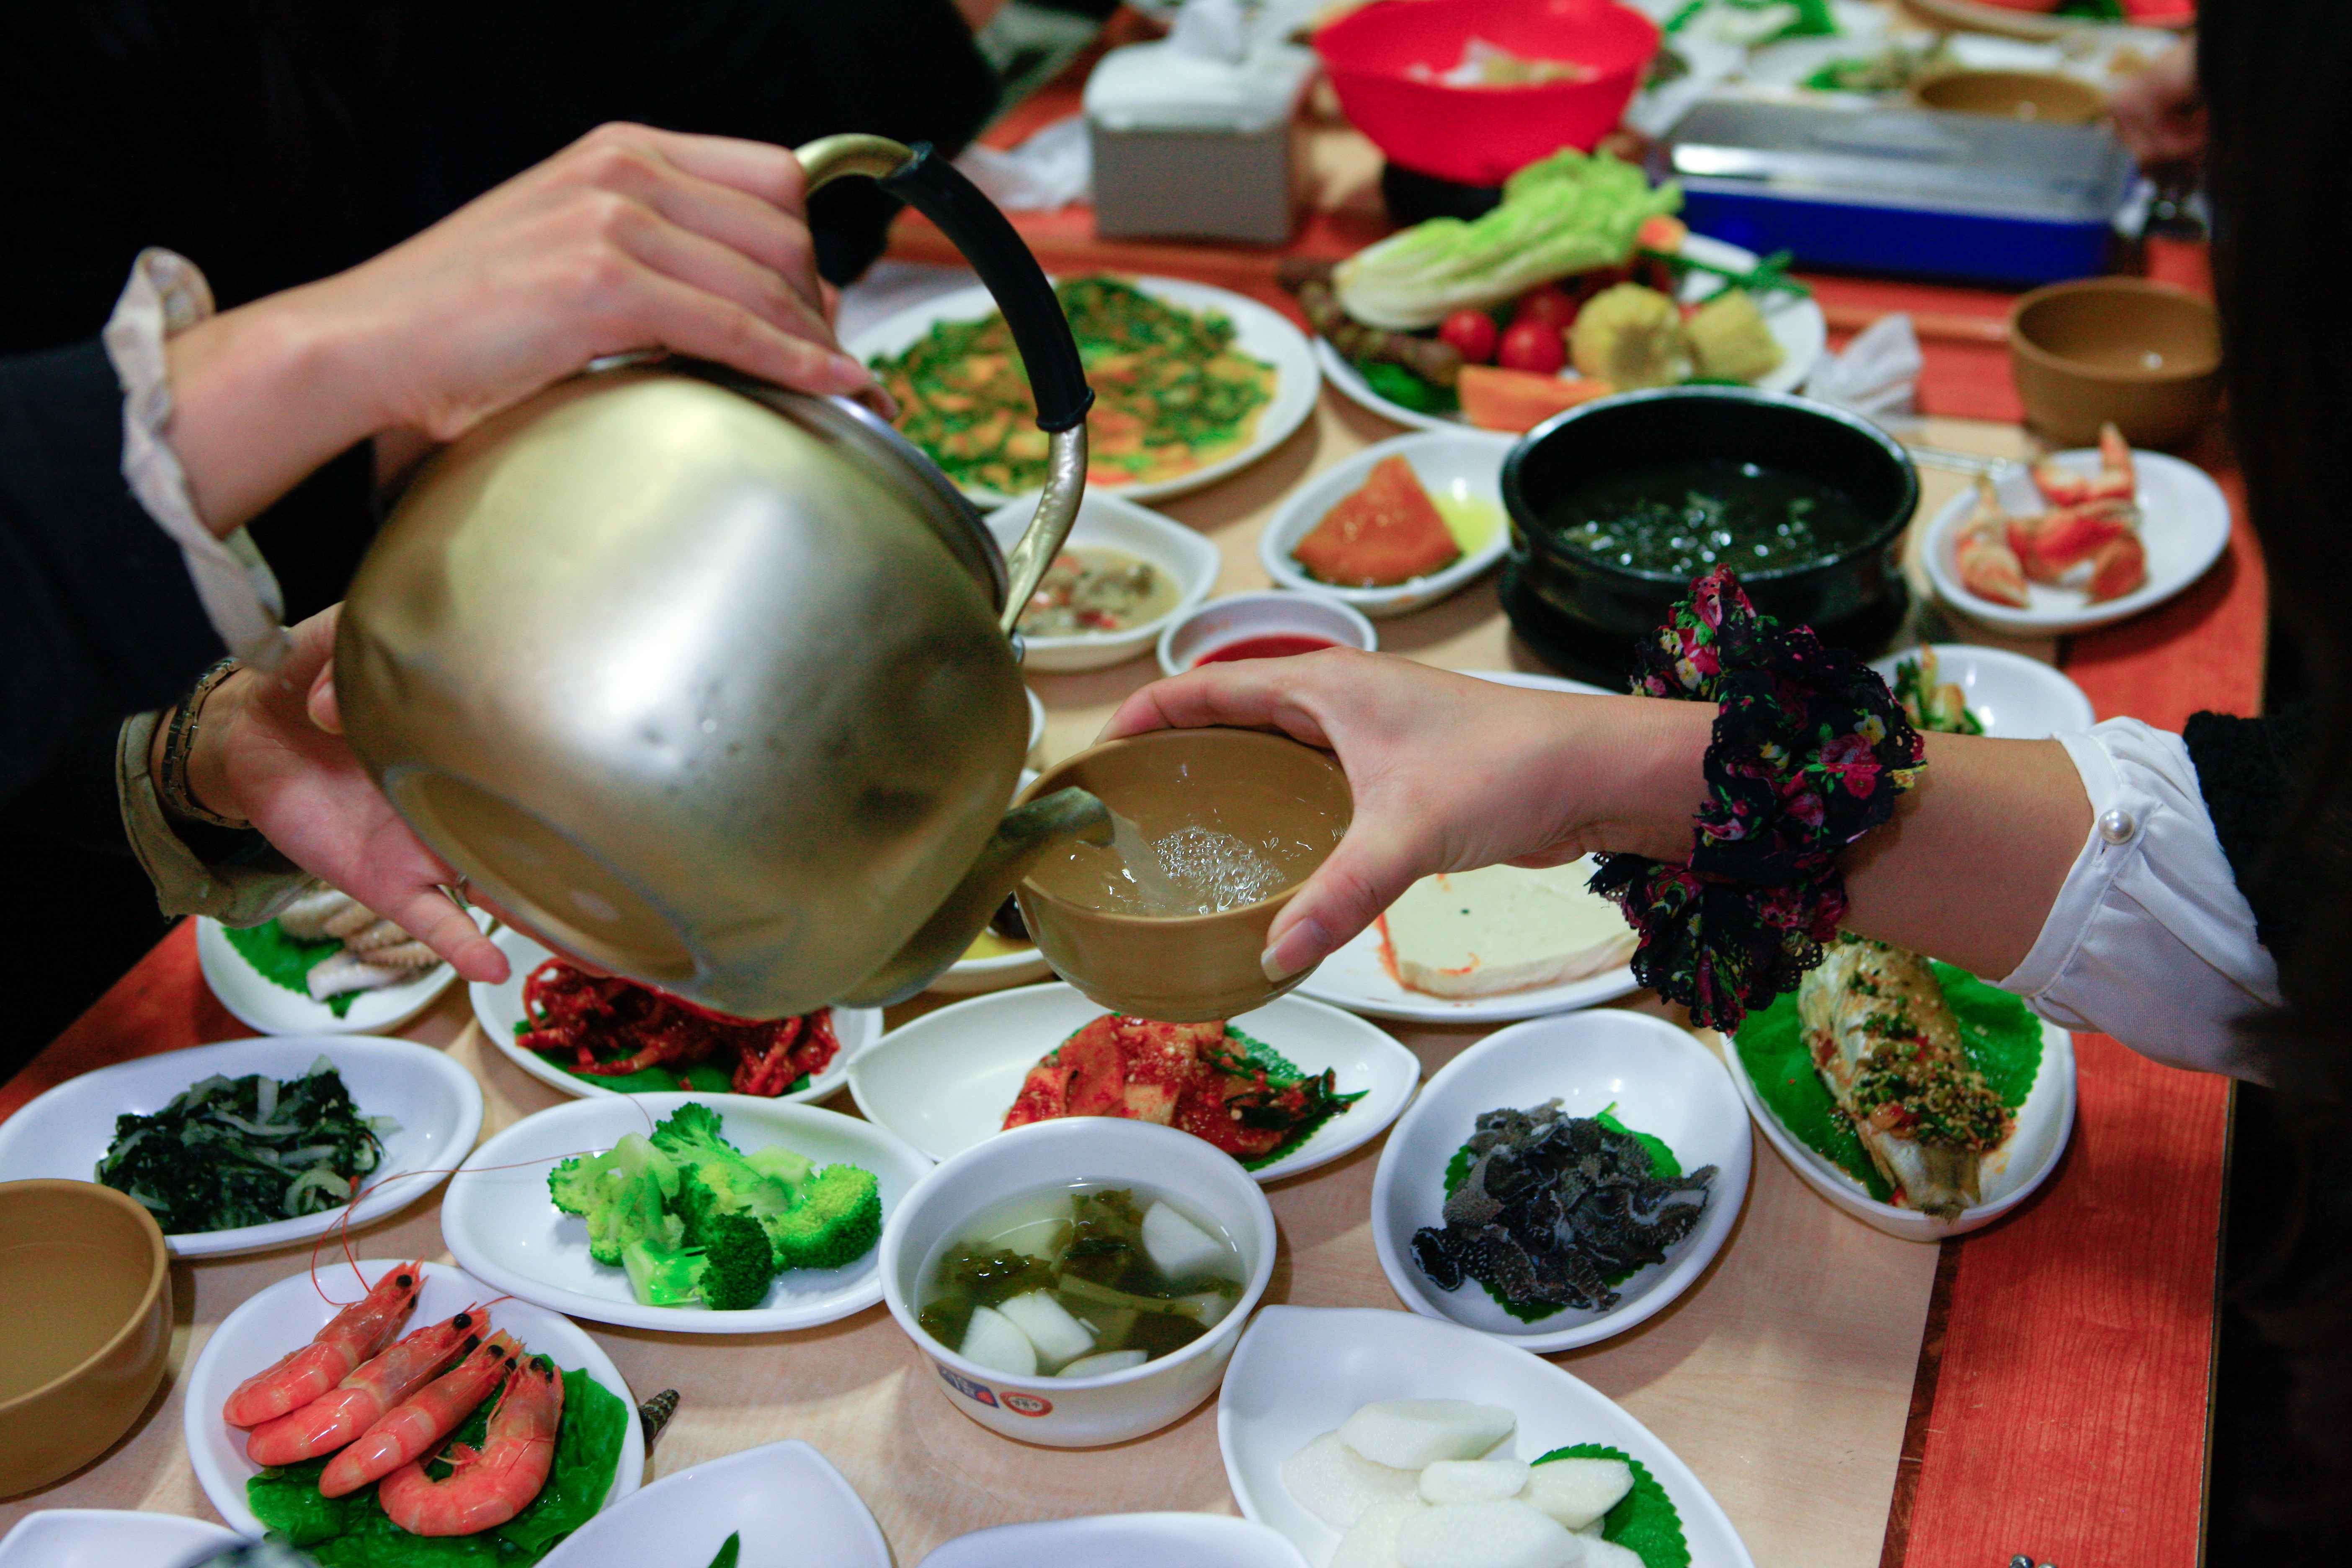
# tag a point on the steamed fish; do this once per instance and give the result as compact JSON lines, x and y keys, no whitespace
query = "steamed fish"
{"x":1889,"y":1050}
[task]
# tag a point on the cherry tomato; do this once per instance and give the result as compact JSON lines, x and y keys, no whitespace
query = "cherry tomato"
{"x":1532,"y":345}
{"x":1548,"y":305}
{"x":1472,"y":332}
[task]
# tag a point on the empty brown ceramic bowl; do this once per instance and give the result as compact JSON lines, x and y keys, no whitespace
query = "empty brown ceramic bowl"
{"x":2043,"y":96}
{"x":2144,"y":355}
{"x":85,"y":1325}
{"x":1289,"y":803}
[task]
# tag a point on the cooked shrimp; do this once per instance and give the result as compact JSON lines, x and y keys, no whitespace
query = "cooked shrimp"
{"x":348,"y":1408}
{"x":413,"y":1428}
{"x":486,"y":1489}
{"x":351,"y":1337}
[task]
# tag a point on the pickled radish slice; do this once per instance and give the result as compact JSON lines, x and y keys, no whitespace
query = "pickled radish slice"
{"x":1102,"y":1365}
{"x":1407,"y":1434}
{"x":1178,"y":1248}
{"x":1578,"y":1491}
{"x":997,"y":1345}
{"x":1485,"y":1535}
{"x":1339,"y":1486}
{"x":1057,"y":1336}
{"x":1371,"y":1540}
{"x":1472,"y":1480}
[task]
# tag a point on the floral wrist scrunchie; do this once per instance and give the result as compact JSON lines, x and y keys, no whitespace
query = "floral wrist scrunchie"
{"x":1810,"y":751}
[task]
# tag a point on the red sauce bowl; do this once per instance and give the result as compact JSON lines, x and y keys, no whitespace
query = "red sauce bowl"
{"x":1481,"y":135}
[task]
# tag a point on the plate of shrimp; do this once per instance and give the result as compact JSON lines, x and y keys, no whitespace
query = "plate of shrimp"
{"x":373,"y":1366}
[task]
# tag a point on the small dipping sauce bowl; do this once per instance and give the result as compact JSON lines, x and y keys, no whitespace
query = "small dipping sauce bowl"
{"x":1219,"y":628}
{"x":1260,"y":788}
{"x":2144,"y":356}
{"x":85,"y":1325}
{"x":2043,"y":96}
{"x":1081,"y":1412}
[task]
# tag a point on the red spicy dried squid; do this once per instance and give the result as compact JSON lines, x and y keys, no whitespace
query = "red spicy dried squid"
{"x":610,"y":1027}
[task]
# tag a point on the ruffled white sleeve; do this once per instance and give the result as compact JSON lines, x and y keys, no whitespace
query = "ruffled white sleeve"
{"x":2150,"y":940}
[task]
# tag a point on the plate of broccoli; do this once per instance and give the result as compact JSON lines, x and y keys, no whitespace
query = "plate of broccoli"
{"x":712,"y":1214}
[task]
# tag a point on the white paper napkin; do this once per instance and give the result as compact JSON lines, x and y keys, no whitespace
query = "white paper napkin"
{"x":1878,"y":374}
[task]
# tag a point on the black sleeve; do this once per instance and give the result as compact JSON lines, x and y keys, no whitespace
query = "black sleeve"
{"x":2249,"y":771}
{"x":98,"y":617}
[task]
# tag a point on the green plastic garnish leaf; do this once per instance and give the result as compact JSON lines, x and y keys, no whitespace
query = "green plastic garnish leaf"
{"x":1645,"y":1521}
{"x":286,"y":961}
{"x":2001,"y":1035}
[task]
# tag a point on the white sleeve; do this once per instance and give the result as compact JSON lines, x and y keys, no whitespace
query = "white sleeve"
{"x":2150,"y":940}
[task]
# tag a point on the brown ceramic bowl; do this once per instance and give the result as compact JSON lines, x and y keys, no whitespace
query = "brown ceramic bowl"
{"x":85,"y":1325}
{"x":1186,"y":969}
{"x":2043,"y":96}
{"x":2144,"y":355}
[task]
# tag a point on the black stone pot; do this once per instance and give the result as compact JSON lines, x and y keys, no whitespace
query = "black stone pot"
{"x":1584,"y":614}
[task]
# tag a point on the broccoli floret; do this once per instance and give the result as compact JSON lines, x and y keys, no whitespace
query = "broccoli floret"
{"x":836,"y":1221}
{"x":694,"y":1133}
{"x":662,"y":1275}
{"x":780,"y":1162}
{"x":740,"y":1263}
{"x":717,"y":1188}
{"x":622,"y":1195}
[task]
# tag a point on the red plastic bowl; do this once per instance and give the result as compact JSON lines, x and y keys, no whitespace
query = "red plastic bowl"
{"x":1481,"y":135}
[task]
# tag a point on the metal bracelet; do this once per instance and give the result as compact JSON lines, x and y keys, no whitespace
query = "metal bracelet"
{"x":180,"y":740}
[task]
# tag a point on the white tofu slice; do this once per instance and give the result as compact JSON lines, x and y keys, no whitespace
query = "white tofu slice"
{"x":1578,"y":1491}
{"x":1503,"y":928}
{"x":1102,"y":1365}
{"x":1600,"y":1553}
{"x":1408,"y":1434}
{"x":1485,"y":1535}
{"x":997,"y":1345}
{"x":1178,"y":1248}
{"x":1058,"y":1336}
{"x":1472,"y":1480}
{"x":1371,"y":1540}
{"x":1339,"y":1486}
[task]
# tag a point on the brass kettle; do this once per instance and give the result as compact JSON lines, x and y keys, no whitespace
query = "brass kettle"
{"x":713,"y":684}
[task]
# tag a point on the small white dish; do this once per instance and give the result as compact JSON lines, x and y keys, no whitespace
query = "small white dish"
{"x":944,"y":1081}
{"x":500,"y":1225}
{"x":264,"y":1004}
{"x":111,"y":1538}
{"x":66,"y":1132}
{"x":499,"y":1011}
{"x":2184,"y":523}
{"x":1462,"y":464}
{"x":785,"y":1500}
{"x":2011,"y":1175}
{"x":2015,"y":697}
{"x":1301,"y":1370}
{"x":1795,"y":320}
{"x":1110,"y":521}
{"x":1259,"y":330}
{"x":1238,"y":617}
{"x":1657,"y":1078}
{"x":285,"y":1315}
{"x":1129,"y":1540}
{"x":1079,"y":1412}
{"x":1357,"y":977}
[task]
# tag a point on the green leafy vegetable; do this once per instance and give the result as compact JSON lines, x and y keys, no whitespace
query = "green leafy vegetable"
{"x":232,"y":1152}
{"x":2002,"y":1037}
{"x":1569,"y":213}
{"x":729,"y":1552}
{"x":287,"y":961}
{"x":1645,"y":1521}
{"x":1406,"y":390}
{"x":1282,"y":1072}
{"x":353,"y":1532}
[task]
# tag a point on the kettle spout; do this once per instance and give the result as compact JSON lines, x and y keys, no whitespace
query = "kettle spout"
{"x":1018,"y":843}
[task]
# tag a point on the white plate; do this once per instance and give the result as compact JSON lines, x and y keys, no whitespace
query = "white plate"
{"x":2009,"y":1174}
{"x":1449,"y":462}
{"x":1300,"y":1371}
{"x":1113,"y":522}
{"x":264,"y":1004}
{"x":499,"y":1222}
{"x":944,"y":1081}
{"x":1355,"y":977}
{"x":791,"y":1506}
{"x":287,"y":1314}
{"x":498,"y":1008}
{"x":1259,"y":331}
{"x":2184,"y":522}
{"x":438,"y":1105}
{"x":2015,"y":697}
{"x":1129,"y":1540}
{"x":1660,"y":1081}
{"x":1795,"y":319}
{"x":110,"y":1537}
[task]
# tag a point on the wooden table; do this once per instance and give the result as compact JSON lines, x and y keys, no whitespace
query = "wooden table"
{"x":1849,"y":1399}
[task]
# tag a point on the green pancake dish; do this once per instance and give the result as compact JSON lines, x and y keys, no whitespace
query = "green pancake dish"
{"x":2001,"y":1035}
